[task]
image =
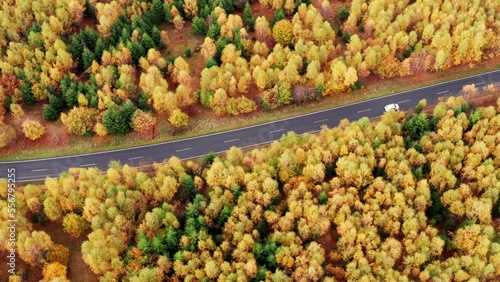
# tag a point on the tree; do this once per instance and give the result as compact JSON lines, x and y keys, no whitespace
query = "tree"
{"x":199,"y":26}
{"x":27,"y":93}
{"x":87,"y":58}
{"x":58,"y":253}
{"x":142,"y":121}
{"x":227,"y":5}
{"x":79,"y":120}
{"x":157,"y":11}
{"x":33,"y":129}
{"x":191,"y":8}
{"x":17,"y":112}
{"x":248,"y":18}
{"x":54,"y":271}
{"x":178,"y":118}
{"x":278,"y":15}
{"x":7,"y":135}
{"x":74,"y":224}
{"x":282,"y":32}
{"x":33,"y":247}
{"x":178,"y":22}
{"x":115,"y":120}
{"x":147,"y":43}
{"x":343,"y":14}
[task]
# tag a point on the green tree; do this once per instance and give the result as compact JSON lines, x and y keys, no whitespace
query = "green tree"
{"x":147,"y":42}
{"x":227,"y":5}
{"x":198,"y":25}
{"x":137,"y":51}
{"x":100,"y":46}
{"x":157,"y":11}
{"x":248,"y":18}
{"x":343,"y":13}
{"x":278,"y":15}
{"x":115,"y":122}
{"x":417,"y":126}
{"x":26,"y":93}
{"x":87,"y":58}
{"x":214,"y":31}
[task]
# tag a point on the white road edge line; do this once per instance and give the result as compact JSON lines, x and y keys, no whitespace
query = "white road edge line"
{"x":181,"y":150}
{"x":135,"y":158}
{"x":257,"y":125}
{"x":362,"y":111}
{"x":442,"y":92}
{"x":232,"y":140}
{"x":479,"y":83}
{"x":375,"y":117}
{"x":321,"y":120}
{"x":276,"y":130}
{"x":41,"y":169}
{"x":88,"y":164}
{"x":401,"y":102}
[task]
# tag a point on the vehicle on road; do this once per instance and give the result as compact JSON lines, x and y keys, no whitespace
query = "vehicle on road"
{"x":391,"y":107}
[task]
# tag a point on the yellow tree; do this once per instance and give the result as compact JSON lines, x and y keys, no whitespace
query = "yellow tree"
{"x":33,"y":129}
{"x":178,"y":118}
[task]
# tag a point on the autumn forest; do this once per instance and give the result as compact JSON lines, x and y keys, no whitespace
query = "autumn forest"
{"x":105,"y":68}
{"x":408,"y":196}
{"x":411,"y":197}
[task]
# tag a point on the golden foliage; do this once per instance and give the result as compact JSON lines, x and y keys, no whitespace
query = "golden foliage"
{"x":33,"y":129}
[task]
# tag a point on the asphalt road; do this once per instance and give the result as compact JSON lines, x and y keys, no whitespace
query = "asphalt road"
{"x":38,"y":169}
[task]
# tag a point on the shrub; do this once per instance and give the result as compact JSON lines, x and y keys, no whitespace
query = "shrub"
{"x":187,"y":52}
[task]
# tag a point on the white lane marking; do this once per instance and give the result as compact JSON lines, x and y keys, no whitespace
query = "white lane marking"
{"x":135,"y":158}
{"x":232,"y":140}
{"x":479,"y":83}
{"x":375,"y":117}
{"x":401,"y":102}
{"x":442,"y":92}
{"x":276,"y":130}
{"x":321,"y":120}
{"x":362,"y":111}
{"x":41,"y":169}
{"x":181,"y":150}
{"x":252,"y":126}
{"x":88,"y":164}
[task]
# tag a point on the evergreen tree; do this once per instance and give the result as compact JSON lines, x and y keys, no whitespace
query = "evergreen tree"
{"x":87,"y":58}
{"x":89,"y":37}
{"x":26,"y":92}
{"x":248,"y":18}
{"x":157,"y":12}
{"x":156,"y":36}
{"x":147,"y":42}
{"x":227,"y":5}
{"x":136,"y":50}
{"x":166,"y":11}
{"x":343,"y":14}
{"x":75,"y":48}
{"x":210,"y":63}
{"x":278,"y":15}
{"x":100,"y":46}
{"x":49,"y":113}
{"x":214,"y":31}
{"x":142,"y":101}
{"x":199,"y":27}
{"x":115,"y":121}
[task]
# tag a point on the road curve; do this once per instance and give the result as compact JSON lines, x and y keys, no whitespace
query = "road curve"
{"x":38,"y":169}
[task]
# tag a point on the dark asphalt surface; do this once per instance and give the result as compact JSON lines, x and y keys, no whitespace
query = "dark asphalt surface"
{"x":260,"y":134}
